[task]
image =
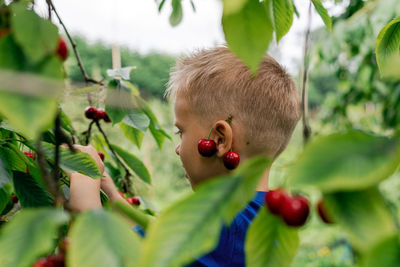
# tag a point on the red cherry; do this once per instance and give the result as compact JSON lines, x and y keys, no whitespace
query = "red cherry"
{"x":129,"y":200}
{"x":42,"y":262}
{"x":274,"y":200}
{"x":207,"y":147}
{"x":14,"y":199}
{"x":231,"y":160}
{"x":90,"y":112}
{"x":133,"y":201}
{"x":322,"y":213}
{"x":101,"y":155}
{"x":121,"y":194}
{"x":295,"y":210}
{"x":102,"y":114}
{"x":56,"y":260}
{"x":31,"y":155}
{"x":62,"y":49}
{"x":106,"y":118}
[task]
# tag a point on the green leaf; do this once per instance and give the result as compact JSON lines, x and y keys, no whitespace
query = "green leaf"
{"x":66,"y":123}
{"x":133,"y":134}
{"x":386,"y":253}
{"x":248,"y":33}
{"x":190,"y":227}
{"x":11,"y":159}
{"x":270,"y":242}
{"x":160,"y":6}
{"x":74,"y":162}
{"x":363,"y":215}
{"x":24,"y":162}
{"x":282,"y":16}
{"x":134,"y":163}
{"x":30,"y":192}
{"x":176,"y":14}
{"x":133,"y":88}
{"x":123,"y":73}
{"x":323,"y":13}
{"x":155,"y":128}
{"x":349,"y":161}
{"x":30,"y":235}
{"x":120,"y":100}
{"x":233,"y":6}
{"x":29,"y":100}
{"x":29,"y":115}
{"x":137,"y":120}
{"x":295,"y":9}
{"x":387,"y":44}
{"x":100,"y":238}
{"x":11,"y":55}
{"x":37,"y":36}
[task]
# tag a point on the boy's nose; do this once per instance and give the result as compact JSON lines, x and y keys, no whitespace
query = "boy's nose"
{"x":177,"y":149}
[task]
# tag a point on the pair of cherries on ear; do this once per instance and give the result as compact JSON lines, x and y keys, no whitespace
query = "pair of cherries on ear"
{"x":208,"y":147}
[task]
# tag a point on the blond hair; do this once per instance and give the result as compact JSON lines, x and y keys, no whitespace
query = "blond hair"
{"x":217,"y":84}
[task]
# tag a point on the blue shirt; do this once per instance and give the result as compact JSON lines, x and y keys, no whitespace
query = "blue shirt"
{"x":230,"y":248}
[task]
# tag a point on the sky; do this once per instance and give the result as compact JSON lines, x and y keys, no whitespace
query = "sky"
{"x":138,"y":25}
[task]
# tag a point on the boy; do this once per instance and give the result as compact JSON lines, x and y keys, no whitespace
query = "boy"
{"x":207,"y":88}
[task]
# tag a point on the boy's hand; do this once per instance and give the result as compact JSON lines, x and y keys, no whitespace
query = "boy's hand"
{"x":92,"y":152}
{"x":108,"y":186}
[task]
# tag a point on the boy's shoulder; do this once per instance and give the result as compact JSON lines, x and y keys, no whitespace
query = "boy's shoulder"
{"x":230,"y":248}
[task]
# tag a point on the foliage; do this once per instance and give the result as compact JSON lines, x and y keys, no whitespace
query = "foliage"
{"x":347,"y":59}
{"x":348,"y":168}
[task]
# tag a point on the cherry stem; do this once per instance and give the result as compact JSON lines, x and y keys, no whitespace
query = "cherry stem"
{"x":229,"y":120}
{"x":127,"y":172}
{"x":88,"y":132}
{"x":210,"y":134}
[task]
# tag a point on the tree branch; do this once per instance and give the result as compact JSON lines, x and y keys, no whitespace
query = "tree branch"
{"x":304,"y":80}
{"x":78,"y":58}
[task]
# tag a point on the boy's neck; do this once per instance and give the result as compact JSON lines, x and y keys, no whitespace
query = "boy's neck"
{"x":263,"y":184}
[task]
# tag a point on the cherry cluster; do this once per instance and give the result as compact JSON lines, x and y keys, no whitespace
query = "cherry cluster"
{"x":96,"y":114}
{"x":293,"y":209}
{"x":208,"y":147}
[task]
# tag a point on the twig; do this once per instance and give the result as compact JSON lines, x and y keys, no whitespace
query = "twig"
{"x":304,"y":80}
{"x":50,"y":182}
{"x":128,"y":173}
{"x":88,"y":133}
{"x":49,"y":11}
{"x":78,"y":58}
{"x":56,"y":170}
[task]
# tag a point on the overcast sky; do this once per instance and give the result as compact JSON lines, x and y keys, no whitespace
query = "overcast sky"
{"x":138,"y":25}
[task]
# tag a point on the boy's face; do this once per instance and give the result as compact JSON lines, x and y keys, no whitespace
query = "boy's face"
{"x":198,"y":168}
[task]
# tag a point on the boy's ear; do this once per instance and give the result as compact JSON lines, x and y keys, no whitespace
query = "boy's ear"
{"x":222,"y":137}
